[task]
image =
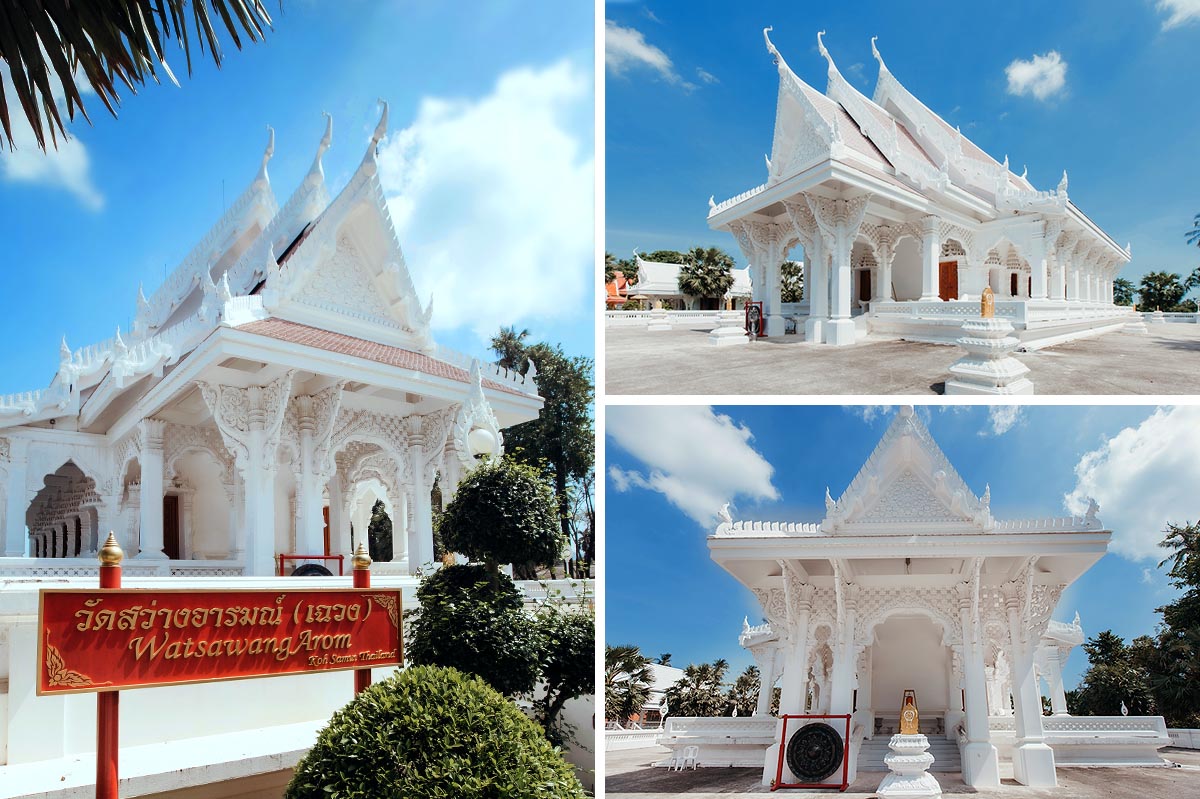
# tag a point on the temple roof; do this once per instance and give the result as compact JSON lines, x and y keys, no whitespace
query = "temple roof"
{"x":658,"y":277}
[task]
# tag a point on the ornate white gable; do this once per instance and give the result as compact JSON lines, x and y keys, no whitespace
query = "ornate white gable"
{"x":341,"y":284}
{"x":907,"y":482}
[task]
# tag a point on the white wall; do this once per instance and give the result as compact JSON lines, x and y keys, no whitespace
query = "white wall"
{"x":906,"y":269}
{"x":210,"y":506}
{"x":908,"y":653}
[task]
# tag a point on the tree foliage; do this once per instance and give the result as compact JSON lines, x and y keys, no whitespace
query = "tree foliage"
{"x":700,"y":692}
{"x":708,"y":273}
{"x":791,"y":287}
{"x":1113,"y":677}
{"x":561,"y":442}
{"x":627,"y":682}
{"x":1123,"y":291}
{"x":1160,"y":291}
{"x":379,"y":533}
{"x":1193,"y":235}
{"x":667,"y":257}
{"x":471,"y":618}
{"x":503,"y":512}
{"x":743,"y":694}
{"x":567,"y":665}
{"x":432,"y":732}
{"x":106,"y":44}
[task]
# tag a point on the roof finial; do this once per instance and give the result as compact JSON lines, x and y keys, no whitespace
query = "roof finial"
{"x":1025,"y":172}
{"x":823,"y":51}
{"x":270,"y":151}
{"x":64,"y":352}
{"x":326,"y":140}
{"x":119,"y":344}
{"x":712,"y":201}
{"x":829,"y":503}
{"x":1062,"y":184}
{"x":770,"y":47}
{"x":381,"y":128}
{"x":1005,"y":164}
{"x":878,"y":57}
{"x":141,"y":300}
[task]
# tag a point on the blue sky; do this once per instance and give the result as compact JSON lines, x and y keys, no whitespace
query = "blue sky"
{"x":495,"y":103}
{"x":665,"y":594}
{"x":690,"y":106}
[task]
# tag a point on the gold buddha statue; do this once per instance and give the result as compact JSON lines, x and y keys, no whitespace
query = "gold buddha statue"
{"x":909,"y":718}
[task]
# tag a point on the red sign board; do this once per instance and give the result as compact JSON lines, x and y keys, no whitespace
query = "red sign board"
{"x":106,"y":640}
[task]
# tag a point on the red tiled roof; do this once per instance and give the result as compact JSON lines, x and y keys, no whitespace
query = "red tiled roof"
{"x":296,"y":333}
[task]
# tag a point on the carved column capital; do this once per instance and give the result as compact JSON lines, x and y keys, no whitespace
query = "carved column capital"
{"x":150,"y":434}
{"x":241,"y":413}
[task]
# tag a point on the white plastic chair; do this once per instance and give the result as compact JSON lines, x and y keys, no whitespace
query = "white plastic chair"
{"x":690,"y":753}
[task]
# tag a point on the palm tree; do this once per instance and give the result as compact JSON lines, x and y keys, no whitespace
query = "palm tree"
{"x":510,"y":346}
{"x":627,"y":681}
{"x":103,"y":43}
{"x":1193,"y":235}
{"x":708,"y":274}
{"x":743,"y":696}
{"x":1160,"y":291}
{"x":701,"y":691}
{"x":1123,"y":291}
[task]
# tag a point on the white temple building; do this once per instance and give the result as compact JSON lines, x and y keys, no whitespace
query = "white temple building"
{"x":904,"y":221}
{"x":910,"y":582}
{"x":284,"y":376}
{"x":658,"y":282}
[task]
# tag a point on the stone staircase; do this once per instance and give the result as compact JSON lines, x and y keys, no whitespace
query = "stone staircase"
{"x":944,"y":751}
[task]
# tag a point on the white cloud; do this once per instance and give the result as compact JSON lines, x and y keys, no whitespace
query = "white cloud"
{"x":67,"y":167}
{"x":493,"y":199}
{"x":868,"y":413}
{"x":1143,"y":477}
{"x":1002,"y":418}
{"x":627,"y":48}
{"x":706,"y":76}
{"x":1147,"y":576}
{"x":1041,"y":76}
{"x":696,"y":458}
{"x":1181,"y":12}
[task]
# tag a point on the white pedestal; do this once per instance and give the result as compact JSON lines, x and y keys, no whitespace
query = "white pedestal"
{"x":776,"y":326}
{"x":909,"y":762}
{"x":839,"y":332}
{"x":988,"y":366}
{"x":1033,"y":765}
{"x":728,"y":336}
{"x":980,"y":765}
{"x":814,"y":330}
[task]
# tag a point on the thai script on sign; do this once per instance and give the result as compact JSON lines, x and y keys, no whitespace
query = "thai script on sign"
{"x":110,"y":639}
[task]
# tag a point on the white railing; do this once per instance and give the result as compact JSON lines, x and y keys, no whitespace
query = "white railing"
{"x":569,"y":591}
{"x":1086,"y":724}
{"x":951,"y":309}
{"x":1185,"y":739}
{"x":526,"y":383}
{"x":732,"y":201}
{"x":1057,"y":524}
{"x":721,"y":726}
{"x":616,"y":740}
{"x":88,"y":566}
{"x":774,"y":528}
{"x":642,"y":318}
{"x":1171,"y":316}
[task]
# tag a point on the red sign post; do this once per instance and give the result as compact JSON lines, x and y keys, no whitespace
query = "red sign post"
{"x":111,"y":639}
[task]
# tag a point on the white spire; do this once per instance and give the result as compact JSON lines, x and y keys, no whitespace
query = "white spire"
{"x":875,"y":52}
{"x":381,"y":128}
{"x":317,"y":171}
{"x":64,"y":351}
{"x":770,"y":47}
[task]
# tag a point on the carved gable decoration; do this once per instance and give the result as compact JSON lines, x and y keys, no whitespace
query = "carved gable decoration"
{"x":908,"y":483}
{"x":341,"y":284}
{"x":908,"y":499}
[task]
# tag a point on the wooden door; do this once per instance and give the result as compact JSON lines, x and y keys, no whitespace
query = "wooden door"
{"x":1012,"y":285}
{"x":864,"y":285}
{"x":325,"y":516}
{"x":171,"y":526}
{"x":948,"y":280}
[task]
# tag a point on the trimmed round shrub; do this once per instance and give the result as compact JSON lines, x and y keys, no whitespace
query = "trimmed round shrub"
{"x":432,"y":733}
{"x":505,"y":513}
{"x":471,"y":618}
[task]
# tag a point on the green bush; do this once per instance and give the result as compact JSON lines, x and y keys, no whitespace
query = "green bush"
{"x":432,"y":733}
{"x":503,"y":512}
{"x":470,"y":618}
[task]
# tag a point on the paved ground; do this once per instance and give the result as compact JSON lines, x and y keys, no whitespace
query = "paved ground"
{"x":628,"y":775}
{"x":1163,"y":361}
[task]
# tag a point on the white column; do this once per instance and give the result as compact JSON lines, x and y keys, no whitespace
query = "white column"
{"x":310,"y":523}
{"x":931,"y":248}
{"x":1037,"y":267}
{"x":421,"y":544}
{"x":841,"y":328}
{"x":250,"y":420}
{"x":818,"y":297}
{"x":794,"y":680}
{"x":151,"y":459}
{"x":1033,"y":760}
{"x":980,"y":762}
{"x":841,"y":683}
{"x":1054,"y":682}
{"x":186,"y":510}
{"x":16,"y":499}
{"x":339,"y":523}
{"x":1056,"y":275}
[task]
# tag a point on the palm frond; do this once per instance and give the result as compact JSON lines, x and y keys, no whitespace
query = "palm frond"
{"x":51,"y":46}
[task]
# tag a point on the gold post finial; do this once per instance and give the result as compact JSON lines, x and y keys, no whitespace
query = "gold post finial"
{"x":360,"y":558}
{"x":110,"y":554}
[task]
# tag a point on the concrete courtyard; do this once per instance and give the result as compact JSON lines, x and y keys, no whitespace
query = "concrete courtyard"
{"x":681,"y":361}
{"x":629,"y":775}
